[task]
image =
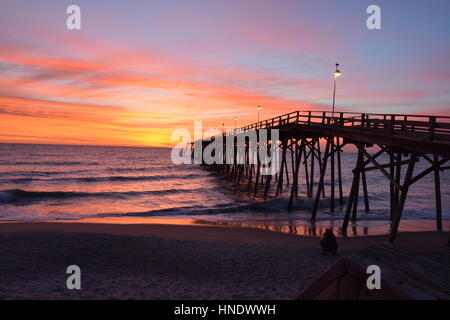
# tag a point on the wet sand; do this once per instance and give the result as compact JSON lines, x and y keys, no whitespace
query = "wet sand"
{"x":172,"y":261}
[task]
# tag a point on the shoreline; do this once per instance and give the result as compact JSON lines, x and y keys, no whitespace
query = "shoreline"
{"x":298,"y":227}
{"x":192,"y":230}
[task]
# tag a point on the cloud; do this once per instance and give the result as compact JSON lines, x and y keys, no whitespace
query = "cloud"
{"x":135,"y":90}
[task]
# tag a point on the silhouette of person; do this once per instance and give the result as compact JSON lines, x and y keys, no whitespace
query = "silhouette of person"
{"x":328,"y":242}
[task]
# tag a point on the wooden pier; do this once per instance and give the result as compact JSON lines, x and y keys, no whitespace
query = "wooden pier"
{"x":314,"y":140}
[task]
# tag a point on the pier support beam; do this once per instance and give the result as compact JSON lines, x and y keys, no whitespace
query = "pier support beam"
{"x":294,"y":188}
{"x":258,"y":172}
{"x":321,"y":181}
{"x":311,"y":180}
{"x":357,"y":179}
{"x":437,"y":188}
{"x":332,"y":176}
{"x":366,"y":195}
{"x":305,"y":163}
{"x":398,"y":173}
{"x":341,"y":195}
{"x":279,"y":188}
{"x":391,"y":184}
{"x":402,"y":199}
{"x":354,"y":189}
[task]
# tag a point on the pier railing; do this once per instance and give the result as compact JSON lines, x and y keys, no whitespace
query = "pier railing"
{"x":430,"y":125}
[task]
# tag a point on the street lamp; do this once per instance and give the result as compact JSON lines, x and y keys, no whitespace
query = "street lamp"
{"x":235,"y":118}
{"x":259,"y":109}
{"x":337,"y":74}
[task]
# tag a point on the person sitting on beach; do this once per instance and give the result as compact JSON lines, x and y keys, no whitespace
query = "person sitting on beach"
{"x":328,"y":242}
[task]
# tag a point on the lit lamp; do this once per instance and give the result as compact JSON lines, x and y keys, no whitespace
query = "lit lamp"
{"x":259,"y":109}
{"x":235,"y":118}
{"x":337,"y":74}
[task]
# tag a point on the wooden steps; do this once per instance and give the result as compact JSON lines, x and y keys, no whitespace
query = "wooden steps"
{"x":404,"y":276}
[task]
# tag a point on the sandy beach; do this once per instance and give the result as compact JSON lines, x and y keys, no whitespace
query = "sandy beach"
{"x":170,"y":261}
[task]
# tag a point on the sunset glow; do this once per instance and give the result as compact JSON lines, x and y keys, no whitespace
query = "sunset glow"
{"x":136,"y":71}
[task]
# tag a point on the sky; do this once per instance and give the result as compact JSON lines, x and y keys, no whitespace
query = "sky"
{"x":139,"y":69}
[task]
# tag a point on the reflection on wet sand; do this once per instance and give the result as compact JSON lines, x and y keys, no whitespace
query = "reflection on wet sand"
{"x":300,"y":229}
{"x":305,"y":228}
{"x":296,"y":227}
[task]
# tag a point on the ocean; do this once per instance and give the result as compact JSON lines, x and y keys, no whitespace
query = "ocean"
{"x":58,"y":182}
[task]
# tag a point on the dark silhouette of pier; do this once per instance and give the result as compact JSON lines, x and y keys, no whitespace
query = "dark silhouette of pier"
{"x":405,"y":139}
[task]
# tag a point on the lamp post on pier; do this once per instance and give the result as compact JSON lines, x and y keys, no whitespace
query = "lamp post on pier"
{"x":337,"y":74}
{"x":259,"y":109}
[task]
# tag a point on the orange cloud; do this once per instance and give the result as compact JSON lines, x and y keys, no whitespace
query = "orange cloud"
{"x":118,"y":99}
